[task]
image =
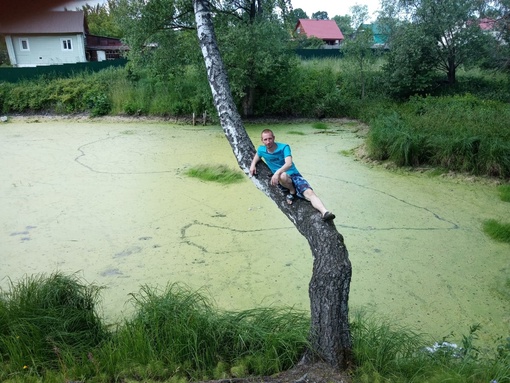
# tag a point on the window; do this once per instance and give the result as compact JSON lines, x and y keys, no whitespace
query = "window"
{"x":66,"y":45}
{"x":23,"y":44}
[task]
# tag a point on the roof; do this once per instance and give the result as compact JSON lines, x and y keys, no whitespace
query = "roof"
{"x":486,"y":24}
{"x":46,"y":23}
{"x":322,"y":29}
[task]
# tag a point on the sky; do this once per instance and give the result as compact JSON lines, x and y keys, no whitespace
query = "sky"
{"x":335,"y":7}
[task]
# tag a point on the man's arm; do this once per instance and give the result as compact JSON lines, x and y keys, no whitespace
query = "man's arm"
{"x":253,"y":169}
{"x":286,"y":166}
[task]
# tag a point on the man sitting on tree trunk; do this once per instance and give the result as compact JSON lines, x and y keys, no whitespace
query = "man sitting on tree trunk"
{"x":278,"y":158}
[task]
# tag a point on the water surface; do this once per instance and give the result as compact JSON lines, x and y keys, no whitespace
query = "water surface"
{"x":110,"y":201}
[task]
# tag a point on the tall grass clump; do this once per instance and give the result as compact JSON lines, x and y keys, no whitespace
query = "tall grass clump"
{"x":216,"y":173}
{"x":461,"y":133}
{"x":45,"y":320}
{"x":180,"y":329}
{"x":497,"y":230}
{"x":385,"y":352}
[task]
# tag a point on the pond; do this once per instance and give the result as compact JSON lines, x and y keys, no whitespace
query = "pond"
{"x":109,"y":200}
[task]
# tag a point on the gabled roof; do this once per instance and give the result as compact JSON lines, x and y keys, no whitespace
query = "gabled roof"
{"x":322,"y":29}
{"x":46,"y":23}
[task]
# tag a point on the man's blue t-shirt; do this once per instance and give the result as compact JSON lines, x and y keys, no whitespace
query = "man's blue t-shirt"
{"x":276,"y":159}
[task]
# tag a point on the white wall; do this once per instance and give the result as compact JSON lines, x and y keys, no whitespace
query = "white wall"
{"x":47,"y":50}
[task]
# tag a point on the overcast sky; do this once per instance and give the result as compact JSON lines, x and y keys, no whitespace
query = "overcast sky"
{"x":335,"y":7}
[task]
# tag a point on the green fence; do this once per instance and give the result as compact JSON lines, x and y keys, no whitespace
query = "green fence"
{"x":18,"y":74}
{"x":319,"y":53}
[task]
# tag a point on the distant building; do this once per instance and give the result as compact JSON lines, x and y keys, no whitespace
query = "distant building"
{"x":325,"y":30}
{"x":380,"y":38}
{"x":52,"y":38}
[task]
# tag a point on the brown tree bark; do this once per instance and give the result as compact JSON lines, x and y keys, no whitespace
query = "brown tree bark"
{"x":330,"y":283}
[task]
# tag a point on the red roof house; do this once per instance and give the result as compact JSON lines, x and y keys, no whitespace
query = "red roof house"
{"x":326,"y":30}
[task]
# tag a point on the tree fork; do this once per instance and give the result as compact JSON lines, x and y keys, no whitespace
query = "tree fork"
{"x":330,"y":284}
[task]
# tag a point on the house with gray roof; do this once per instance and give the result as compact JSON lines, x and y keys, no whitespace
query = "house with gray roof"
{"x":46,"y":38}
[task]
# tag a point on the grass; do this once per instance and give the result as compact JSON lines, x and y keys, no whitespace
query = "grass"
{"x":320,"y":125}
{"x":49,"y":331}
{"x":218,"y":173}
{"x":447,"y":132}
{"x":497,"y":230}
{"x":504,"y":192}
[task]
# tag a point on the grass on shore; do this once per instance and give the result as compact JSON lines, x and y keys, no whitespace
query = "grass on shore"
{"x":50,"y":332}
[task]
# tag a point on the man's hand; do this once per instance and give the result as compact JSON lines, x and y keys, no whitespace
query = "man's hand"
{"x":275,"y":179}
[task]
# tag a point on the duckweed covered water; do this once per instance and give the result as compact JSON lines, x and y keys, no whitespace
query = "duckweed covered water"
{"x":111,"y":201}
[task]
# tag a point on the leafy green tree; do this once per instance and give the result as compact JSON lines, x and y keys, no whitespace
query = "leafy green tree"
{"x":253,"y":35}
{"x":359,"y":48}
{"x":345,"y":24}
{"x":450,"y":29}
{"x":410,"y":66}
{"x":499,"y":54}
{"x":101,"y":21}
{"x":297,"y":14}
{"x":159,"y":34}
{"x":320,"y":15}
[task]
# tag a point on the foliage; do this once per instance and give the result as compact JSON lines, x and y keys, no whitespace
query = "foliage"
{"x":359,"y":48}
{"x":297,"y":14}
{"x":410,"y":66}
{"x":101,"y":20}
{"x":50,"y":331}
{"x":320,"y":15}
{"x":497,"y":230}
{"x":450,"y":38}
{"x":386,"y":352}
{"x":46,"y":319}
{"x":449,"y":132}
{"x":345,"y":24}
{"x":64,"y":95}
{"x":219,"y":173}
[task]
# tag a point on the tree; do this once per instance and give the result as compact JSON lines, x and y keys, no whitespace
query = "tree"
{"x":254,"y":39}
{"x":410,"y":66}
{"x":456,"y":36}
{"x":320,"y":15}
{"x":329,"y":287}
{"x":359,"y":48}
{"x":297,"y":14}
{"x":344,"y":23}
{"x":101,"y":21}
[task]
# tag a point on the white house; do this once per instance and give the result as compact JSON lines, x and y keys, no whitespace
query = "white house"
{"x":47,"y":38}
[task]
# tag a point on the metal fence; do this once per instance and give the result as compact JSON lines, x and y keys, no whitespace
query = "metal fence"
{"x":18,"y":74}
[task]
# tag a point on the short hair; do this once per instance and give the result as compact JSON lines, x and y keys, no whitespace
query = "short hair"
{"x":267,"y":131}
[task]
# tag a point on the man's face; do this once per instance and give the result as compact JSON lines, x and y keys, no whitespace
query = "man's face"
{"x":268,"y":140}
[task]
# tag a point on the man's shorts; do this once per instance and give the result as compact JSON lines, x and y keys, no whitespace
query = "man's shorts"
{"x":300,"y":184}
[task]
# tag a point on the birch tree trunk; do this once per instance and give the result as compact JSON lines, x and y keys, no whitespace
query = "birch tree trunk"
{"x":329,"y":287}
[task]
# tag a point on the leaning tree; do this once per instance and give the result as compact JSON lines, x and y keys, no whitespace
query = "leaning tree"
{"x":329,"y":286}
